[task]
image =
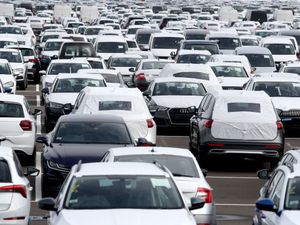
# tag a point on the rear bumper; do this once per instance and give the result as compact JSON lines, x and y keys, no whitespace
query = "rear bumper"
{"x":165,"y":119}
{"x":24,"y":143}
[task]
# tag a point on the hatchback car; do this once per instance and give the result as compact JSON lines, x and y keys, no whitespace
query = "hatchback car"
{"x":184,"y":167}
{"x":245,"y":124}
{"x":15,"y":189}
{"x":7,"y":77}
{"x":116,"y":191}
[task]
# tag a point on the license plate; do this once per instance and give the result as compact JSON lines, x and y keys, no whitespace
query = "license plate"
{"x":286,"y":119}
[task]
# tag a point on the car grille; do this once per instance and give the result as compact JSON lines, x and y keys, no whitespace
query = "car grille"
{"x":180,"y":116}
{"x":291,"y":113}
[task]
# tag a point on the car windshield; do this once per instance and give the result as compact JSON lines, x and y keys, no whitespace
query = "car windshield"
{"x":12,"y":57}
{"x":57,"y":68}
{"x":131,"y":44}
{"x":243,"y":107}
{"x":92,"y":31}
{"x":52,"y":46}
{"x":279,"y":89}
{"x":76,"y":84}
{"x":229,"y":71}
{"x":213,"y":49}
{"x":112,"y":47}
{"x":166,"y":42}
{"x":10,"y":30}
{"x":178,"y":88}
{"x":227,"y":43}
{"x":292,"y":70}
{"x":155,"y":65}
{"x":143,"y":38}
{"x":95,"y":64}
{"x":8,"y":109}
{"x":292,"y":198}
{"x":47,"y":37}
{"x":196,"y":75}
{"x":260,"y":60}
{"x":115,"y":105}
{"x":123,"y":191}
{"x":27,"y":52}
{"x":193,"y":58}
{"x":85,"y":132}
{"x":124,"y":62}
{"x":281,"y":49}
{"x":111,"y":78}
{"x":5,"y":176}
{"x":5,"y":43}
{"x":178,"y":165}
{"x":4,"y":69}
{"x":195,"y":36}
{"x":132,"y":30}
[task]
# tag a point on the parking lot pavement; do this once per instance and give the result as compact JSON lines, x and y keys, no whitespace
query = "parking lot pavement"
{"x":234,"y":183}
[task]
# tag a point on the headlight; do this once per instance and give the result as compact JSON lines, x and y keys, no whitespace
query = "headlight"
{"x":57,"y":166}
{"x":55,"y":105}
{"x":156,"y":108}
{"x":19,"y":70}
{"x":9,"y":84}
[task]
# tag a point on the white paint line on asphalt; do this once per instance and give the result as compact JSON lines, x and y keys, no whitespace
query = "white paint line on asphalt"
{"x":238,"y":205}
{"x":38,"y":101}
{"x":286,"y":139}
{"x":39,"y":124}
{"x":241,"y":178}
{"x":38,"y":179}
{"x":37,"y":88}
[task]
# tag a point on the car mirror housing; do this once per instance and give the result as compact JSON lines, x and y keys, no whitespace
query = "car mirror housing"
{"x":37,"y":112}
{"x":42,"y":140}
{"x":45,"y":90}
{"x":132,"y":69}
{"x":31,"y":171}
{"x":143,"y":142}
{"x":196,"y":203}
{"x":47,"y":204}
{"x":263,"y":174}
{"x":266,"y":204}
{"x":68,"y":108}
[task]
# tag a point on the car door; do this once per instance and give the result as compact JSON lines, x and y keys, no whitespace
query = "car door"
{"x":6,"y":194}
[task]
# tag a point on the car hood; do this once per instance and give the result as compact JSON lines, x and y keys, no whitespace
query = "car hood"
{"x":265,"y":69}
{"x":227,"y":51}
{"x":17,"y":65}
{"x":63,"y":98}
{"x":117,"y":217}
{"x":290,"y":217}
{"x":70,"y":154}
{"x":104,"y":56}
{"x":286,"y":103}
{"x":162,"y":52}
{"x":172,"y":101}
{"x":233,"y":81}
{"x":49,"y":53}
{"x":7,"y":78}
{"x":124,"y":70}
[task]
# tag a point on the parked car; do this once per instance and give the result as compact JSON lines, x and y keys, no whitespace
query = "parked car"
{"x":108,"y":189}
{"x":7,"y":77}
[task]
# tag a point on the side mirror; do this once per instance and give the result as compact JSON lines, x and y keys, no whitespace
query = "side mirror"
{"x":132,"y":69}
{"x":266,"y":204}
{"x":191,"y":109}
{"x":42,"y":72}
{"x":36,"y":112}
{"x":143,"y":142}
{"x":173,"y":55}
{"x":253,"y":69}
{"x":45,"y":90}
{"x":68,"y":107}
{"x":196,"y":203}
{"x":263,"y":174}
{"x":47,"y":204}
{"x":31,"y":171}
{"x":147,"y":94}
{"x":54,"y":57}
{"x":42,"y":140}
{"x":205,"y":172}
{"x":278,"y":66}
{"x":7,"y":90}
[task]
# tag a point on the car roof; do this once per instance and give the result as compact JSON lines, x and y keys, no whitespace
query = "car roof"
{"x":224,"y":64}
{"x":276,"y":40}
{"x":13,"y":98}
{"x":279,"y":77}
{"x":113,"y":91}
{"x":234,"y":94}
{"x":124,"y":55}
{"x":99,"y":71}
{"x":3,"y":61}
{"x":75,"y":60}
{"x":5,"y":152}
{"x":8,"y":50}
{"x":151,"y":151}
{"x":199,"y":42}
{"x":120,"y":168}
{"x":110,"y":38}
{"x":79,"y":75}
{"x":188,"y":52}
{"x":253,"y":50}
{"x":56,"y":40}
{"x":177,"y":79}
{"x":166,"y":34}
{"x":91,"y":118}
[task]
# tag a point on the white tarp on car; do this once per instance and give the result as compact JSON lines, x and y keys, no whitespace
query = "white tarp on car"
{"x":244,"y":117}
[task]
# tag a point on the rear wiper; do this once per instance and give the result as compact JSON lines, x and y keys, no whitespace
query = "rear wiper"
{"x":181,"y":175}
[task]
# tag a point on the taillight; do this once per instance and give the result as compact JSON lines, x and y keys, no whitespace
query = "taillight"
{"x":15,"y":218}
{"x":150,"y":123}
{"x":272,"y":146}
{"x":141,"y":76}
{"x":34,"y":60}
{"x":205,"y":194}
{"x":279,"y":125}
{"x":16,"y":189}
{"x":26,"y":125}
{"x":216,"y":145}
{"x":208,"y":123}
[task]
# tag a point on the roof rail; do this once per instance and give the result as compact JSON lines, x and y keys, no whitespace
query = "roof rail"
{"x":289,"y":165}
{"x":78,"y":166}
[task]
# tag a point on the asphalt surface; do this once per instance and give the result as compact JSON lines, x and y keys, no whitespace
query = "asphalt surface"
{"x":234,"y":182}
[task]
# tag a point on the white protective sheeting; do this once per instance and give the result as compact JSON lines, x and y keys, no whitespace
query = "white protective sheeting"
{"x":244,"y":125}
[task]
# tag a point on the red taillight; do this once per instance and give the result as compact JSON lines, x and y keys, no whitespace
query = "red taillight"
{"x":272,"y":146}
{"x":279,"y":125}
{"x":208,"y":123}
{"x":141,"y":76}
{"x":15,"y":218}
{"x":15,"y":188}
{"x":34,"y":60}
{"x":26,"y":125}
{"x":216,"y":145}
{"x":205,"y":194}
{"x":150,"y":123}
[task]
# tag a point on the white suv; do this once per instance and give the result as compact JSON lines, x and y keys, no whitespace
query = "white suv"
{"x":15,"y":196}
{"x":120,"y":193}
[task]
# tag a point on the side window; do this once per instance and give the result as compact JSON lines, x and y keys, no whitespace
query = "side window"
{"x":273,"y":183}
{"x":78,"y":100}
{"x":5,"y":176}
{"x":276,"y":195}
{"x":18,"y":165}
{"x":105,"y":157}
{"x":60,"y":195}
{"x":287,"y":159}
{"x":27,"y":106}
{"x":202,"y":103}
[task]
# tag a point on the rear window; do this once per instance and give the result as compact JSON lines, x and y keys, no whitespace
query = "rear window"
{"x":71,"y":50}
{"x":111,"y":78}
{"x":11,"y":110}
{"x":196,"y":75}
{"x":115,"y":105}
{"x":243,"y":107}
{"x":95,"y":64}
{"x":5,"y":176}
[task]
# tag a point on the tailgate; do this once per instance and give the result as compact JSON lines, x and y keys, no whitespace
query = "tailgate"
{"x":138,"y":128}
{"x":10,"y":126}
{"x":5,"y":184}
{"x":188,"y":186}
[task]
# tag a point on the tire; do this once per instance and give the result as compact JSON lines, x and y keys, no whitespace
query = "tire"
{"x":48,"y":126}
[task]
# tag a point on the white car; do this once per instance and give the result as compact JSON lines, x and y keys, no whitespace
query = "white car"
{"x":7,"y":76}
{"x":184,"y":167}
{"x":65,"y":90}
{"x":15,"y":190}
{"x":227,"y":42}
{"x":18,"y":125}
{"x":120,"y":193}
{"x":125,"y":102}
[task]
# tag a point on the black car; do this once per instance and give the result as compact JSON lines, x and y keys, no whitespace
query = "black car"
{"x":79,"y":137}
